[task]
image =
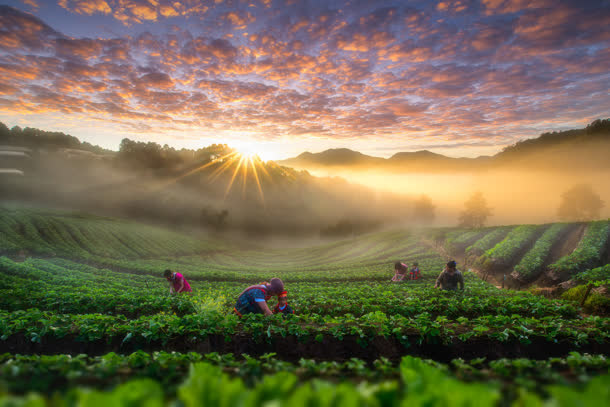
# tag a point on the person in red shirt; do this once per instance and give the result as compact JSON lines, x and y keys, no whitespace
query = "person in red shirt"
{"x":282,"y":306}
{"x":177,"y":283}
{"x":414,"y":272}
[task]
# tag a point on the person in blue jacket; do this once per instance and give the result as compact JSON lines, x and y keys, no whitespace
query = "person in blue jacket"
{"x":253,"y":300}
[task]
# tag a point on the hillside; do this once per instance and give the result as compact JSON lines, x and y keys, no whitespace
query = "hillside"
{"x":584,"y":148}
{"x":215,"y":187}
{"x":524,"y":253}
{"x":338,"y":157}
{"x":83,"y":303}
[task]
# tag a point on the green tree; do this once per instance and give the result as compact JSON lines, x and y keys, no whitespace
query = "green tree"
{"x":580,"y":203}
{"x":475,"y":211}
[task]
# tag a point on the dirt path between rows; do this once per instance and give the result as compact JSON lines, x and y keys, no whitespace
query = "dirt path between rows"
{"x":567,"y":243}
{"x":563,"y":247}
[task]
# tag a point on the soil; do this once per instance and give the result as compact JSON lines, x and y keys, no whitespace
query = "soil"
{"x":562,"y":247}
{"x":291,"y":348}
{"x":505,"y":269}
{"x":460,"y":248}
{"x":475,"y":254}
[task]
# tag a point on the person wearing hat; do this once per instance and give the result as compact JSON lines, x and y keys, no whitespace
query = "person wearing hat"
{"x":253,"y":300}
{"x":414,"y":272}
{"x":282,"y":306}
{"x":450,"y":277}
{"x":400,"y":270}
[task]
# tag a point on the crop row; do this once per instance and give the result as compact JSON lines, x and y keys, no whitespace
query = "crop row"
{"x":47,"y":374}
{"x":488,"y":241}
{"x":76,"y":288}
{"x":503,"y":253}
{"x":420,"y":384}
{"x":205,"y":270}
{"x":84,"y":237}
{"x":531,"y":264}
{"x":92,"y":238}
{"x":37,"y":325}
{"x":458,"y":240}
{"x":589,"y":252}
{"x":358,"y":254}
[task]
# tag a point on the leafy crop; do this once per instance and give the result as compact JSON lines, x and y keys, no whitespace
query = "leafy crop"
{"x":419,"y":384}
{"x":503,"y":253}
{"x":91,"y":284}
{"x":486,"y":242}
{"x":598,"y":276}
{"x":531,"y":264}
{"x":589,"y":251}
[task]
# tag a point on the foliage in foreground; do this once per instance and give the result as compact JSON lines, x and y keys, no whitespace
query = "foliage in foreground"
{"x":420,"y":385}
{"x":49,"y":374}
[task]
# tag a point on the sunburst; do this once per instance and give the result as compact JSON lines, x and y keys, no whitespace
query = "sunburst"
{"x":235,"y":161}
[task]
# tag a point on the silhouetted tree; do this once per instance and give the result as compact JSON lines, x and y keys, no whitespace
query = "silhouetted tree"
{"x":216,"y":220}
{"x":5,"y":133}
{"x":580,"y":203}
{"x":423,"y":210}
{"x":16,"y":131}
{"x":35,"y":139}
{"x":599,"y":126}
{"x":475,"y":211}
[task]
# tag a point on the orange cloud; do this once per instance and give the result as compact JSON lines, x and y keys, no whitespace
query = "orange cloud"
{"x":22,"y":30}
{"x":81,"y":48}
{"x":87,"y":7}
{"x":407,"y":52}
{"x":364,"y":43}
{"x":136,"y":11}
{"x":514,"y":6}
{"x":239,"y":20}
{"x":452,"y":6}
{"x":32,"y":3}
{"x":156,"y":80}
{"x":302,"y":23}
{"x":6,"y":89}
{"x":143,"y":11}
{"x":349,"y":73}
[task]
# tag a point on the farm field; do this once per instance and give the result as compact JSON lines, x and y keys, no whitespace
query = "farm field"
{"x":85,"y":317}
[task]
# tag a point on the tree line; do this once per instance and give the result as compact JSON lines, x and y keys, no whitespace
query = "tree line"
{"x":35,"y":138}
{"x":578,"y":203}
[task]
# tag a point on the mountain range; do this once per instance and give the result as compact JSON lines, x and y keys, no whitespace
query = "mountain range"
{"x":585,"y":149}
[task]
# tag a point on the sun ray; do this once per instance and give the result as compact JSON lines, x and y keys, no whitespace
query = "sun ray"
{"x":205,"y":166}
{"x":218,"y":171}
{"x":264,"y":171}
{"x":247,"y":162}
{"x":258,"y":183}
{"x":241,"y":160}
{"x":156,"y":186}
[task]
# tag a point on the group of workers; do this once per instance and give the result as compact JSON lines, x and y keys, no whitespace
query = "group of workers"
{"x":449,"y":279}
{"x":253,"y":300}
{"x":400,"y":271}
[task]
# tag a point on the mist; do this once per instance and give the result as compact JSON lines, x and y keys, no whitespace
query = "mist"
{"x":333,"y":194}
{"x":516,"y":196}
{"x":284,"y":202}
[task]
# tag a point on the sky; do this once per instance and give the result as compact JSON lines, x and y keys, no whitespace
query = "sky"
{"x":279,"y":77}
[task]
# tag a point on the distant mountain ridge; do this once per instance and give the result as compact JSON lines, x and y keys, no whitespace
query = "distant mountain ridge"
{"x":583,"y":148}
